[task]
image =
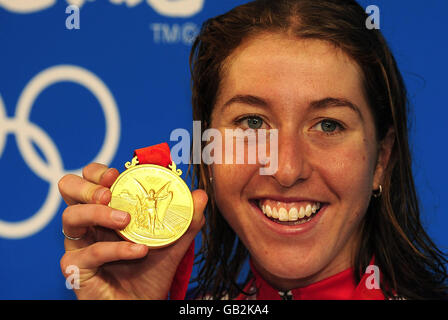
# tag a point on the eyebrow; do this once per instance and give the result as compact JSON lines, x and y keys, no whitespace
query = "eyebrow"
{"x":336,"y":102}
{"x":316,"y":105}
{"x":247,"y":99}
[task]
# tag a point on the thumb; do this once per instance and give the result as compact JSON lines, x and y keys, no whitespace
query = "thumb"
{"x":200,"y":199}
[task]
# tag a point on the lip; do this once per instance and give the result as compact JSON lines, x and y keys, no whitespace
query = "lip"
{"x":288,"y":230}
{"x":285,"y":199}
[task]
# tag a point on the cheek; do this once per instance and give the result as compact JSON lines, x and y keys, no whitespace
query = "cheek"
{"x":229,"y":183}
{"x":348,"y":170}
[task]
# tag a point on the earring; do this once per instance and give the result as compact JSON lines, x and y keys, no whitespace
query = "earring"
{"x":377,"y":193}
{"x":211,"y":179}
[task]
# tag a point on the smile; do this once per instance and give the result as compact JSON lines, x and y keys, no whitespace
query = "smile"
{"x":289,"y":213}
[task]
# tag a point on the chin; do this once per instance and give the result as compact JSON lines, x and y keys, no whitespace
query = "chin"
{"x":290,"y":263}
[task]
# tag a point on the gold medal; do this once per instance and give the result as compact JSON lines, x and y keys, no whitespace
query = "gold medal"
{"x":158,"y":200}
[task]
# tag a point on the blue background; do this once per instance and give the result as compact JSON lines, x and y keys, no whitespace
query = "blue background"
{"x":148,"y":76}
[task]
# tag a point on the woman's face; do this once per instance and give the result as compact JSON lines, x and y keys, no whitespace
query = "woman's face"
{"x":312,"y":94}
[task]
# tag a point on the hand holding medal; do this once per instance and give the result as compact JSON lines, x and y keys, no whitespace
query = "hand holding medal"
{"x":158,"y":200}
{"x":151,"y":210}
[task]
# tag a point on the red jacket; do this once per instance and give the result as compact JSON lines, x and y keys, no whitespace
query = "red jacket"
{"x":340,"y":286}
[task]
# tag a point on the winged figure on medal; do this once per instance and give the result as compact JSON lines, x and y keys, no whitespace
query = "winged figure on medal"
{"x":150,"y":208}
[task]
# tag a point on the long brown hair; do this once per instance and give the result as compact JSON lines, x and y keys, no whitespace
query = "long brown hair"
{"x":411,"y":265}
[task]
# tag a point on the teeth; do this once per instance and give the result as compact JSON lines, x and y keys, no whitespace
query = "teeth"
{"x":274,"y":213}
{"x":268,"y":211}
{"x":283,"y":215}
{"x":308,"y":210}
{"x":277,"y":211}
{"x":302,"y":213}
{"x":293,"y":214}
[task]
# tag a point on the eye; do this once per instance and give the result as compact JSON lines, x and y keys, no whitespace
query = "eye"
{"x":329,"y":127}
{"x":251,"y":122}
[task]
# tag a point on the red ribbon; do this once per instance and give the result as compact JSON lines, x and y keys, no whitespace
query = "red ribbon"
{"x":158,"y":154}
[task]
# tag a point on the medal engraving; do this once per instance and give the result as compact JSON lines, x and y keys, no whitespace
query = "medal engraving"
{"x":158,"y":200}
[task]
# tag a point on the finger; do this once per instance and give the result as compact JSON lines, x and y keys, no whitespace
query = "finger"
{"x":99,"y":253}
{"x":100,"y":174}
{"x":75,"y":189}
{"x":199,"y":202}
{"x":77,"y":219}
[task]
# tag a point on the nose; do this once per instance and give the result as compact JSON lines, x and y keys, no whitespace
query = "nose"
{"x":293,"y":159}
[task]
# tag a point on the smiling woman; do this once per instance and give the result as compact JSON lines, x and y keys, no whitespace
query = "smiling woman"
{"x":343,"y":196}
{"x":338,"y":218}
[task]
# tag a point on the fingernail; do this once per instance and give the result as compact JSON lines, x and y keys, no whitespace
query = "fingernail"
{"x":119,"y":216}
{"x":99,"y":194}
{"x":137,"y":247}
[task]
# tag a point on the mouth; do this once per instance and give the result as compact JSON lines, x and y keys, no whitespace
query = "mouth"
{"x":289,"y":213}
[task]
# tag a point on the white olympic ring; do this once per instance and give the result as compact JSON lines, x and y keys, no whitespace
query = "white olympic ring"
{"x":27,"y":132}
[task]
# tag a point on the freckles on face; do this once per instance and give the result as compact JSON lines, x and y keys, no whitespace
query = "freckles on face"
{"x":232,"y":178}
{"x":312,"y":94}
{"x":347,"y":167}
{"x":347,"y":171}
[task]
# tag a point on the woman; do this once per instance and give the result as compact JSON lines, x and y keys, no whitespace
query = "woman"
{"x":330,"y":87}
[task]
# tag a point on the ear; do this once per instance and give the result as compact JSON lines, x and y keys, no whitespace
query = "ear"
{"x":384,"y":151}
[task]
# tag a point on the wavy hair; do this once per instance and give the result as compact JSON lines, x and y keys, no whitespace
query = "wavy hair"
{"x":411,"y":264}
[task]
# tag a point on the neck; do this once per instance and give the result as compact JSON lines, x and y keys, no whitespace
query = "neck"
{"x":286,"y":284}
{"x":343,"y":261}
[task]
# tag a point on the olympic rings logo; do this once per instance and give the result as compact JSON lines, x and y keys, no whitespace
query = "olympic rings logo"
{"x":26,"y":133}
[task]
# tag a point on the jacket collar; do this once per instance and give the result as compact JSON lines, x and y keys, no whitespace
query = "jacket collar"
{"x":341,"y":286}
